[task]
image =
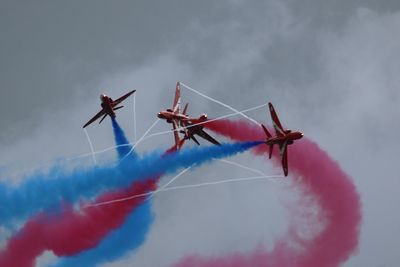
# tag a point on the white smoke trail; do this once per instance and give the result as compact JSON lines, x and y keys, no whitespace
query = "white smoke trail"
{"x":252,"y":178}
{"x":140,"y":139}
{"x":219,"y":102}
{"x":91,"y":146}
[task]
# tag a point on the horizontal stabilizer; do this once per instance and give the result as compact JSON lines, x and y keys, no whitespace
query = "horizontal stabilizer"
{"x":271,"y":148}
{"x":207,"y":137}
{"x":105,"y":115}
{"x":266,"y":131}
{"x":195,"y":140}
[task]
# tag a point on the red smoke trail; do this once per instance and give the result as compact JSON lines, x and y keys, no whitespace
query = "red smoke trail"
{"x":72,"y":231}
{"x":322,"y":178}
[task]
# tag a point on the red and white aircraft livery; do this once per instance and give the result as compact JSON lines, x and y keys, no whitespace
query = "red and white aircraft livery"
{"x":283,"y":138}
{"x":108,"y":107}
{"x":172,"y":115}
{"x":178,"y":119}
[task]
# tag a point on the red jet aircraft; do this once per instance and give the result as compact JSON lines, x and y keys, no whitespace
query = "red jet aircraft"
{"x":283,"y":138}
{"x":195,"y":126}
{"x":178,"y":119}
{"x":108,"y":107}
{"x":172,"y":115}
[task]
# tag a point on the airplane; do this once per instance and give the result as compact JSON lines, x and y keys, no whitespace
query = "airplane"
{"x":172,"y":115}
{"x":283,"y":138}
{"x":195,"y":127}
{"x":181,"y":119}
{"x":108,"y":106}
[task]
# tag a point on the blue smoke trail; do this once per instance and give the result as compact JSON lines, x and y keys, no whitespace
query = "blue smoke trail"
{"x":123,"y":147}
{"x":41,"y":192}
{"x":128,"y":237}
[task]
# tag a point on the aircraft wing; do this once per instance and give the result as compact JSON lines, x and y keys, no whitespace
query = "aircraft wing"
{"x":275,"y":120}
{"x":206,"y":136}
{"x":284,"y":158}
{"x":97,"y":116}
{"x":177,"y":99}
{"x":122,"y":98}
{"x":176,"y":134}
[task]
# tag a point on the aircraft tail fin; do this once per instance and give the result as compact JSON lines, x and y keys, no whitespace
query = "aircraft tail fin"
{"x":177,"y":99}
{"x":271,"y":148}
{"x":185,"y":109}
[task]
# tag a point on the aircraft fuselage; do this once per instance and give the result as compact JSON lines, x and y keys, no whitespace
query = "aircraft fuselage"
{"x":195,"y":124}
{"x":201,"y":119}
{"x":106,"y":104}
{"x":288,"y":137}
{"x":169,"y":116}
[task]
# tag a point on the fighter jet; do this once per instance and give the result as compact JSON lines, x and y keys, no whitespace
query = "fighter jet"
{"x":283,"y":138}
{"x":194,"y":127}
{"x":108,"y":106}
{"x":189,"y":126}
{"x":172,"y":115}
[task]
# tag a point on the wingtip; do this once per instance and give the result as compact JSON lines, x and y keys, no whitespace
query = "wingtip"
{"x":266,"y":131}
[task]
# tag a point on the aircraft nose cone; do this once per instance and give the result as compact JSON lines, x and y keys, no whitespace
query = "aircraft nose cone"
{"x":159,"y":115}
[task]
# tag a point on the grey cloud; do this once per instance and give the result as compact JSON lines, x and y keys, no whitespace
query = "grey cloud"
{"x":331,"y":68}
{"x":55,"y":53}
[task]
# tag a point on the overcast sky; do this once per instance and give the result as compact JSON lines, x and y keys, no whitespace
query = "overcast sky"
{"x":330,"y":67}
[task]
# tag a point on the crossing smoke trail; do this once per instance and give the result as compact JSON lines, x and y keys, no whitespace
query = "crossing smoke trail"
{"x":127,"y":237}
{"x":41,"y":192}
{"x":333,"y":191}
{"x":71,"y":231}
